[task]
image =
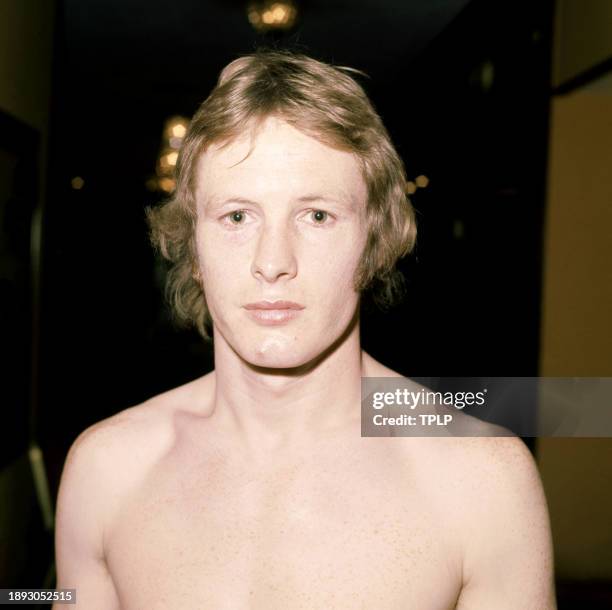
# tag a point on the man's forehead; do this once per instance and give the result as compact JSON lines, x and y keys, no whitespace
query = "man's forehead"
{"x":271,"y":137}
{"x":219,"y":192}
{"x":280,"y":158}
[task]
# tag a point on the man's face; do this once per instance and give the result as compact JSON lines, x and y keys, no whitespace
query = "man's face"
{"x":286,"y":223}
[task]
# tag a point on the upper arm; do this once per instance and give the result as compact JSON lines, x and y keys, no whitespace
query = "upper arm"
{"x":79,"y":543}
{"x":508,"y":560}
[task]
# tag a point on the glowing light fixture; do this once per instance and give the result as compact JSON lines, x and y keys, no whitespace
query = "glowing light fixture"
{"x":167,"y":184}
{"x":272,"y":15}
{"x":421,"y":181}
{"x":170,"y":159}
{"x":174,"y":131}
{"x":77,"y":183}
{"x":178,"y":130}
{"x":411,"y":187}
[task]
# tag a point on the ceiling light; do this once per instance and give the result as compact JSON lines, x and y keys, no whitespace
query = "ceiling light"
{"x":272,"y":15}
{"x":77,"y":183}
{"x":421,"y":181}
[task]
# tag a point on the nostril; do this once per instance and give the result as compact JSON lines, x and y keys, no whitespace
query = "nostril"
{"x":273,"y":259}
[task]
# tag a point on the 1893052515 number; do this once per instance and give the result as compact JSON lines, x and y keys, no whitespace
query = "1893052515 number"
{"x":28,"y":596}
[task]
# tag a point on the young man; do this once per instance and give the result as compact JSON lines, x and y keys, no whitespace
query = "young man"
{"x":252,"y":487}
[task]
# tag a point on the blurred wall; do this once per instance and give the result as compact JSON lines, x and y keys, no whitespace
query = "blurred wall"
{"x":583,"y":38}
{"x":26,"y":28}
{"x":576,"y":325}
{"x":576,"y":335}
{"x":26,"y":44}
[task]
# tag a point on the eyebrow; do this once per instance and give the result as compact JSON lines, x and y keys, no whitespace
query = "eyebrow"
{"x":344,"y":201}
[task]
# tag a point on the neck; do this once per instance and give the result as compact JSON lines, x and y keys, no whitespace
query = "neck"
{"x":273,"y":409}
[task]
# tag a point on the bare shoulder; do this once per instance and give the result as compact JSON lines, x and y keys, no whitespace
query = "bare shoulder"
{"x":114,"y":454}
{"x":480,"y":466}
{"x":103,"y":464}
{"x":485,"y":478}
{"x":504,"y":522}
{"x":488,"y":491}
{"x":502,"y":463}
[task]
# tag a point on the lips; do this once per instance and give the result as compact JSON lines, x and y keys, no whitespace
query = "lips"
{"x":276,"y":305}
{"x":273,"y":313}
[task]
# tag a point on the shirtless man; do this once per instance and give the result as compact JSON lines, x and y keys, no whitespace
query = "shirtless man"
{"x":251,"y":487}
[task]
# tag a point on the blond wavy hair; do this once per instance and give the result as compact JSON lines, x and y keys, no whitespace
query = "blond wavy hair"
{"x":322,"y":101}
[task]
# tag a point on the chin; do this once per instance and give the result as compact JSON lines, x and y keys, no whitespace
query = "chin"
{"x":278,"y":353}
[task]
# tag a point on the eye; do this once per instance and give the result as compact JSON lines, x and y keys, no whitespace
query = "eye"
{"x":235,"y":218}
{"x":319,"y":217}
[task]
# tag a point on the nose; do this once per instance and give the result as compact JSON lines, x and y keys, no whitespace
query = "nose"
{"x":274,"y":256}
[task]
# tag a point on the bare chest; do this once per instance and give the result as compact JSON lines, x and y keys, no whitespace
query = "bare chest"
{"x":351,"y":532}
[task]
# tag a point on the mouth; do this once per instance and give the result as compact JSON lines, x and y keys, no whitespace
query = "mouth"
{"x":273,"y":313}
{"x":273,"y":305}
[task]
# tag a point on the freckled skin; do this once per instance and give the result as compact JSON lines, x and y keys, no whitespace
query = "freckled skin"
{"x":251,"y":487}
{"x":342,"y":522}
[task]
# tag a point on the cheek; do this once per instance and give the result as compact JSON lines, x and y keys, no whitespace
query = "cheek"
{"x":346,"y":256}
{"x":334,"y":273}
{"x":221,"y":268}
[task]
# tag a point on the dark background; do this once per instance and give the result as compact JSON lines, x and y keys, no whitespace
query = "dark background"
{"x":123,"y":68}
{"x":464,"y":89}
